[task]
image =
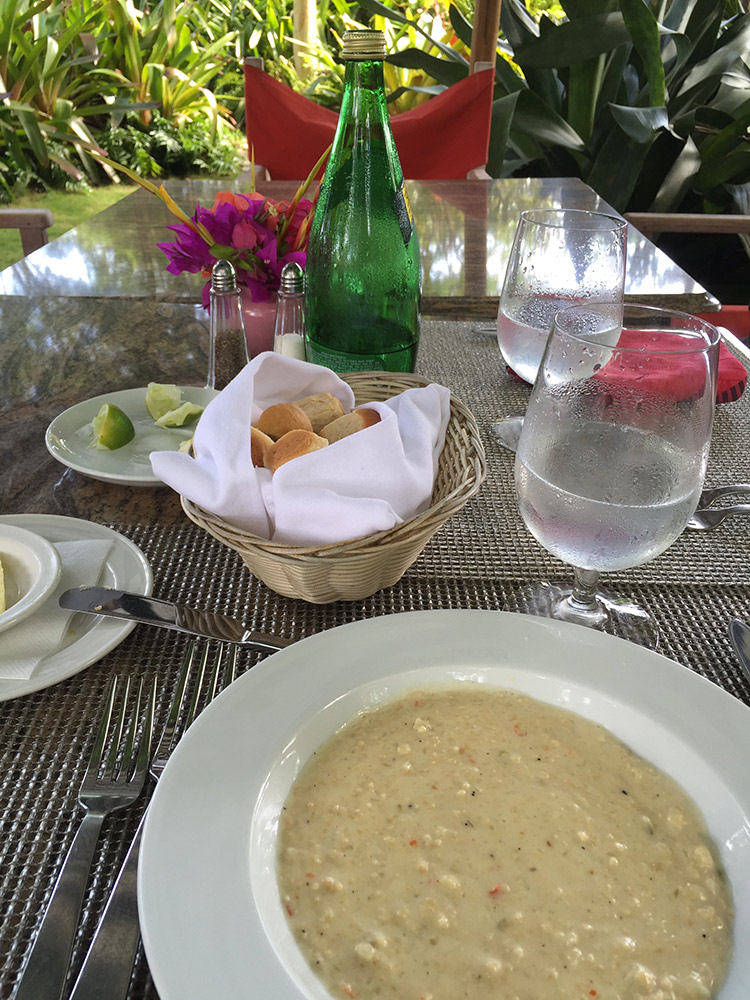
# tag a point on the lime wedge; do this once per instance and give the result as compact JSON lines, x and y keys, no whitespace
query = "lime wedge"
{"x":160,"y":399}
{"x":184,"y":414}
{"x":112,"y":428}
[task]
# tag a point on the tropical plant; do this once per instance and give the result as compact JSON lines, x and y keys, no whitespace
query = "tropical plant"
{"x":67,"y":71}
{"x":164,"y":148}
{"x":42,"y":55}
{"x":648,"y":101}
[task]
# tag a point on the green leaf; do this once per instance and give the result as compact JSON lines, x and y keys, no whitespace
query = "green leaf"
{"x":439,"y":69}
{"x":582,"y":8}
{"x":35,"y":137}
{"x":393,"y":15}
{"x":584,"y":84}
{"x":507,"y":78}
{"x":679,"y":179}
{"x":460,"y":25}
{"x":503,"y":110}
{"x":516,"y":23}
{"x":615,"y":170}
{"x":546,"y":84}
{"x":703,"y":26}
{"x":539,"y":121}
{"x":736,"y":46}
{"x":644,"y":32}
{"x":734,"y":167}
{"x":730,"y":131}
{"x":678,"y":15}
{"x":612,"y":80}
{"x":640,"y":124}
{"x":573,"y":41}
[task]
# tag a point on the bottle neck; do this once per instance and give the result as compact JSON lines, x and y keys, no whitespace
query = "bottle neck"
{"x":364,"y":90}
{"x":366,"y":73}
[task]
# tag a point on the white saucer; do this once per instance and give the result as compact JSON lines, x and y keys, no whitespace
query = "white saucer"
{"x":88,"y":638}
{"x":31,"y":569}
{"x":68,"y":437}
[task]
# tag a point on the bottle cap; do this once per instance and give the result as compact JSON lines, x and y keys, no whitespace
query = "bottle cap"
{"x":223,"y":278}
{"x":292,"y":278}
{"x":363,"y":45}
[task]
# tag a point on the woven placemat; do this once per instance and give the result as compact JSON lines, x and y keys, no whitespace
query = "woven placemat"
{"x":482,"y":558}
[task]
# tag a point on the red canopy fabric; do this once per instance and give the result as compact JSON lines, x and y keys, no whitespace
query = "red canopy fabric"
{"x":443,"y":138}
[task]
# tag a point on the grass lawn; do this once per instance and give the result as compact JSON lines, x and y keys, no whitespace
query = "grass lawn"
{"x":69,"y":209}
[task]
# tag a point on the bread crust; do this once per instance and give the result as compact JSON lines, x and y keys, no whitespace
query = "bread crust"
{"x":280,"y":418}
{"x":322,"y":408}
{"x":291,"y":445}
{"x":350,"y":423}
{"x":259,"y":445}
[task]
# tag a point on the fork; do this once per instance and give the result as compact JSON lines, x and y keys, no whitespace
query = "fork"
{"x":708,"y":496}
{"x":113,"y":780}
{"x":706,"y":518}
{"x":108,"y":966}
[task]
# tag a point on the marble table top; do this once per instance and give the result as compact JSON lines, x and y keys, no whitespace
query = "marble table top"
{"x":465,"y":231}
{"x":57,"y":351}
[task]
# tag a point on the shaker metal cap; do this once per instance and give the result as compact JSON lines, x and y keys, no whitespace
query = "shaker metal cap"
{"x":292,"y":278}
{"x":363,"y":45}
{"x":223,"y":278}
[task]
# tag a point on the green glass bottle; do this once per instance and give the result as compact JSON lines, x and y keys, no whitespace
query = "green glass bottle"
{"x":363,"y":272}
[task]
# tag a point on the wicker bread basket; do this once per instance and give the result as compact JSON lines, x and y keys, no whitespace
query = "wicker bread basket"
{"x":352,"y":570}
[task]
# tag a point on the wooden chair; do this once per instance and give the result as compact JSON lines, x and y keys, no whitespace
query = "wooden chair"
{"x":32,"y":223}
{"x":447,"y":137}
{"x":736,"y":318}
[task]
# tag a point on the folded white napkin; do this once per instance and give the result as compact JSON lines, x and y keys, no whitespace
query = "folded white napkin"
{"x":367,"y":482}
{"x":25,"y":645}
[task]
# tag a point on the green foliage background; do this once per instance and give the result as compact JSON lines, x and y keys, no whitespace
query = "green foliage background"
{"x":159,"y":85}
{"x":648,"y":101}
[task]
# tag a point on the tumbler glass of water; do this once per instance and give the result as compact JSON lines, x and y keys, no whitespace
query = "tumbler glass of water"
{"x":559,"y":257}
{"x":613,"y":451}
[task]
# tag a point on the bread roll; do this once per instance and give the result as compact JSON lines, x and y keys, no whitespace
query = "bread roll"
{"x":282,"y":417}
{"x":292,"y":445}
{"x":259,"y":445}
{"x":322,"y":408}
{"x":350,"y":423}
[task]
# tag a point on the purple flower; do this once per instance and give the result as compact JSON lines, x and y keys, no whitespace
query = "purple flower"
{"x":258,"y":235}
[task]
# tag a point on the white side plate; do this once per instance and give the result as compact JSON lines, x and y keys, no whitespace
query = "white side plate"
{"x":88,"y":637}
{"x":68,"y":437}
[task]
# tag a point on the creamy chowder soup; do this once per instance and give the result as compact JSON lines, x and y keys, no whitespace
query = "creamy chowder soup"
{"x":472,"y":843}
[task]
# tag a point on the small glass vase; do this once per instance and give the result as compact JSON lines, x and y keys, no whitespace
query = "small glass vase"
{"x":259,"y":320}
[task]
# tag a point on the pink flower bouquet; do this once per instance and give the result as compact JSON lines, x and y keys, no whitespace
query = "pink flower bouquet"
{"x":257,"y":234}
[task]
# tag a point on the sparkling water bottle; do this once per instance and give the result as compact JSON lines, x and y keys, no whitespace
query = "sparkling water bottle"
{"x":363,"y":274}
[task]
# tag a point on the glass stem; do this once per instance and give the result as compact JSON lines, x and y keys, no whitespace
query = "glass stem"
{"x":585,"y":583}
{"x":581,"y":605}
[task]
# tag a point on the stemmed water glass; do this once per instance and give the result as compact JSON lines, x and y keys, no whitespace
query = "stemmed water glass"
{"x":559,"y":258}
{"x":613,"y":451}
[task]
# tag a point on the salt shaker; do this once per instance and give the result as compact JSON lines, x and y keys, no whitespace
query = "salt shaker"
{"x":228,"y":353}
{"x":289,"y":328}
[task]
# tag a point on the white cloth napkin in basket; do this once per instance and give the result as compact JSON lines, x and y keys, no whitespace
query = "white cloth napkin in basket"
{"x":367,"y":482}
{"x":25,"y":645}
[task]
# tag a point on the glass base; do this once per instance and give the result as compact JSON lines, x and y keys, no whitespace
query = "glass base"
{"x":507,"y":430}
{"x":617,"y":615}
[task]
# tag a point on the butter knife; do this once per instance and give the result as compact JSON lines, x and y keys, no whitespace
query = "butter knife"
{"x":153,"y":611}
